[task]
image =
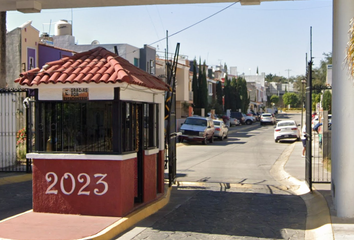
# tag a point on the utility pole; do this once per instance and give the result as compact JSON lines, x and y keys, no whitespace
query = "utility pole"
{"x":308,"y":159}
{"x":288,"y":77}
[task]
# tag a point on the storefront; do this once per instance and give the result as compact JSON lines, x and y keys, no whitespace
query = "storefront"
{"x":96,"y":135}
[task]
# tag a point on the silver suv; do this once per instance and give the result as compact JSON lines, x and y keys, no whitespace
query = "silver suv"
{"x":197,"y":128}
{"x":268,"y":118}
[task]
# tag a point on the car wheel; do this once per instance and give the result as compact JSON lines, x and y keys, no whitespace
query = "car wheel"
{"x":248,"y":122}
{"x":205,"y":141}
{"x":275,"y":140}
{"x":211,"y":140}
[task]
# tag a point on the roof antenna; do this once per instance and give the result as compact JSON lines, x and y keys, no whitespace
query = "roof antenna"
{"x":116,"y":50}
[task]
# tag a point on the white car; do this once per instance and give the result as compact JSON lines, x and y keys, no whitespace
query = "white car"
{"x":286,"y":130}
{"x":267,"y":118}
{"x":221,"y":130}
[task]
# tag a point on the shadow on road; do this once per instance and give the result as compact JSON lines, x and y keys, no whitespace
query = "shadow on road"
{"x":229,"y":215}
{"x":15,"y":198}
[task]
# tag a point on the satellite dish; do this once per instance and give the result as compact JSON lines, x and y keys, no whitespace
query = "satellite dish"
{"x":95,"y":42}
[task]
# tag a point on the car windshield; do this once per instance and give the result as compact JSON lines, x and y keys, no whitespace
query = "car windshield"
{"x":284,"y":124}
{"x":217,"y":123}
{"x":196,"y":121}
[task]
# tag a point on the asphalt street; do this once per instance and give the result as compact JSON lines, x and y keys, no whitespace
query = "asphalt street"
{"x":225,"y":191}
{"x":15,"y":198}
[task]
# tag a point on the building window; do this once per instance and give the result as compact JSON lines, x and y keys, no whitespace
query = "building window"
{"x":210,"y":89}
{"x":152,"y":67}
{"x":136,"y":62}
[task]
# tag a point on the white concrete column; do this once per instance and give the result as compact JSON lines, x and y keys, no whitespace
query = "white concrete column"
{"x":343,"y":114}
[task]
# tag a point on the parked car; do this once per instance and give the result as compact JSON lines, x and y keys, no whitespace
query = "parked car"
{"x":268,"y":118}
{"x":221,"y":130}
{"x":249,"y":119}
{"x":197,"y":128}
{"x":255,"y":115}
{"x":234,"y":122}
{"x":286,"y":129}
{"x":239,"y":116}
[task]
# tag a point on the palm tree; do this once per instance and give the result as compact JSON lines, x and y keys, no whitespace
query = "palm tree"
{"x":350,"y":48}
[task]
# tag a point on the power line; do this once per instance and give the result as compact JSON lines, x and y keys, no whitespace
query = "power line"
{"x":195,"y":23}
{"x":185,"y":27}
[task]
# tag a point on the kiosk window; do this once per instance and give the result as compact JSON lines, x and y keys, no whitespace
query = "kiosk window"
{"x":74,"y":127}
{"x":150,"y":126}
{"x":129,"y":125}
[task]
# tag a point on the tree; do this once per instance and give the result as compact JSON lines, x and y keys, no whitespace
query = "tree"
{"x":327,"y":101}
{"x":200,"y":83}
{"x":2,"y":49}
{"x":319,"y":74}
{"x":204,"y":89}
{"x":243,"y":94}
{"x":316,"y":98}
{"x":219,"y":93}
{"x":218,"y":107}
{"x":274,"y":78}
{"x":195,"y":85}
{"x":227,"y":93}
{"x":290,"y":99}
{"x":274,"y":99}
{"x":235,"y":95}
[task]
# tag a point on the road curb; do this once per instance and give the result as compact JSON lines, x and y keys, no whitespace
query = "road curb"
{"x":318,"y":221}
{"x":16,"y":179}
{"x":133,"y":218}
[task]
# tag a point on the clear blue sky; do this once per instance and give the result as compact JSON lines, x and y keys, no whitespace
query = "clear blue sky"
{"x":273,"y":36}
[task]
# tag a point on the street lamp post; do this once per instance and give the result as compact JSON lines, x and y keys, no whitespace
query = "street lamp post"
{"x":302,"y":100}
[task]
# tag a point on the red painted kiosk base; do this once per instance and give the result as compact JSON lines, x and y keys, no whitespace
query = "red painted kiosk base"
{"x":98,"y":185}
{"x":83,"y":186}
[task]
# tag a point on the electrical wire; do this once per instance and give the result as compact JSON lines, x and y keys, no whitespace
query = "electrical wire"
{"x":204,"y":19}
{"x":212,"y":15}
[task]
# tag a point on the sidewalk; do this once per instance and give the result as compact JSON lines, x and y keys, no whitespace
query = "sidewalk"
{"x":289,"y":169}
{"x":37,"y":226}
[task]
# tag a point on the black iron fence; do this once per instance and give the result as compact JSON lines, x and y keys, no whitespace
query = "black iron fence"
{"x":321,"y":155}
{"x":13,"y":125}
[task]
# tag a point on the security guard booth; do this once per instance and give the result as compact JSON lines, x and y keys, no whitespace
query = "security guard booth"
{"x":96,"y":135}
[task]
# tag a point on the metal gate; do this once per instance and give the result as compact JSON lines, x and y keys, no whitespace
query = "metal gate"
{"x":321,"y":151}
{"x":13,"y":125}
{"x":318,"y":145}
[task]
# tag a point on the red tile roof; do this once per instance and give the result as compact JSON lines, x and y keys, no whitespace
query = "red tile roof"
{"x":97,"y":65}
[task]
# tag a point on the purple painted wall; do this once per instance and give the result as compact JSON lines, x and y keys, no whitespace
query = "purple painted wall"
{"x":48,"y":53}
{"x":31,"y":58}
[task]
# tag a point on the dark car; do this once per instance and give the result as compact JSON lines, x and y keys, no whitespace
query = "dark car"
{"x":239,"y":116}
